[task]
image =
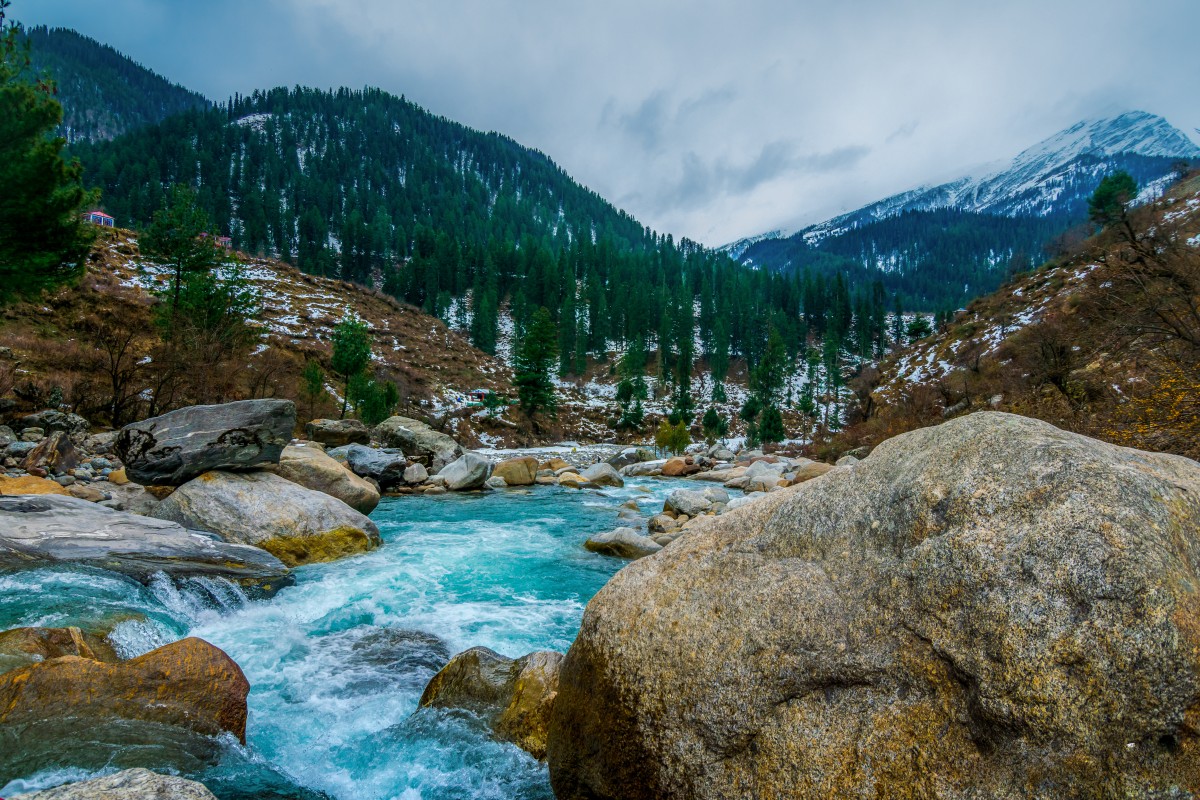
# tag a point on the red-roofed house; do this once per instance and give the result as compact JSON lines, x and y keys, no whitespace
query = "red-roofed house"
{"x":100,"y":218}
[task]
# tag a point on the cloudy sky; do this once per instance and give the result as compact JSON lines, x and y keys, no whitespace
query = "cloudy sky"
{"x":712,"y":120}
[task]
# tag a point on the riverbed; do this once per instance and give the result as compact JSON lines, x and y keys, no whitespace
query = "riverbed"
{"x":337,"y":662}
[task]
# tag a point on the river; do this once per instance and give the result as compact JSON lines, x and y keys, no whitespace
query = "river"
{"x":338,"y":661}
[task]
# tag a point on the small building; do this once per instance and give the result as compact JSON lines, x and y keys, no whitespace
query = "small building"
{"x":476,"y":396}
{"x":100,"y":218}
{"x":225,"y":242}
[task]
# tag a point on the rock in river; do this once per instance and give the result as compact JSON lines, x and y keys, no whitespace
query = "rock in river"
{"x":297,"y":525}
{"x":172,"y":449}
{"x":21,"y":647}
{"x":419,"y":442}
{"x":602,"y":474}
{"x":312,"y":468}
{"x":471,"y":471}
{"x":37,"y":531}
{"x":129,"y":784}
{"x":515,"y":696}
{"x":162,"y":707}
{"x":622,"y":543}
{"x":517,"y":471}
{"x":989,"y":608}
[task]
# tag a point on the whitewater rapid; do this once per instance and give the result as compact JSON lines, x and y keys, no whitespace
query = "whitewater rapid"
{"x":337,"y":662}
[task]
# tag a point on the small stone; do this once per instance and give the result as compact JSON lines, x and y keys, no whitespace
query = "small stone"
{"x":32,"y":435}
{"x":89,"y":493}
{"x":415,"y":473}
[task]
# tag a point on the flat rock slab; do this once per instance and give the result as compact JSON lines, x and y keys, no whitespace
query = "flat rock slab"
{"x":172,"y":449}
{"x":298,"y":525}
{"x":48,"y":529}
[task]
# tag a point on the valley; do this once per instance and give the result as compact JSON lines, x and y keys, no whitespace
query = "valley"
{"x":351,"y":452}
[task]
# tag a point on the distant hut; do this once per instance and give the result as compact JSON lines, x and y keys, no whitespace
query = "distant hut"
{"x":100,"y":218}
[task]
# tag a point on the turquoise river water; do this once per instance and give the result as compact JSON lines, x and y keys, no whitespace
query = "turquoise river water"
{"x":338,"y":661}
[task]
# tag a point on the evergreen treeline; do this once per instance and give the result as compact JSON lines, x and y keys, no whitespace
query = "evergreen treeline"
{"x":103,"y":93}
{"x":938,"y":259}
{"x":348,"y":182}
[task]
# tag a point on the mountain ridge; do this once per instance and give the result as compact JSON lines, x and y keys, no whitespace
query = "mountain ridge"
{"x":998,"y":186}
{"x":104,"y":93}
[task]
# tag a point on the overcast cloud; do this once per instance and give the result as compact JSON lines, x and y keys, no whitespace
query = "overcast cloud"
{"x":704,"y":119}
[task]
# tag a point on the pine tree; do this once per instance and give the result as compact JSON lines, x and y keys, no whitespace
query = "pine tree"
{"x":181,"y":237}
{"x":1107,"y":204}
{"x":43,"y":242}
{"x":533,"y":362}
{"x":714,"y":425}
{"x":351,"y":353}
{"x":770,"y":426}
{"x":312,"y":386}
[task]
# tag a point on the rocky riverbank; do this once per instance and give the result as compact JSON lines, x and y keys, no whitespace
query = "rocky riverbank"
{"x":991,"y":606}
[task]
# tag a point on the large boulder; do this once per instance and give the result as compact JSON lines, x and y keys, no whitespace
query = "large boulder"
{"x":297,"y":525}
{"x":988,"y":608}
{"x":622,"y":543}
{"x":687,"y":501}
{"x":515,"y":696}
{"x":419,"y":442}
{"x":814,"y":470}
{"x":313,"y":469}
{"x":383,"y":466}
{"x":338,"y":432}
{"x":629,"y":456}
{"x":644,"y":468}
{"x":20,"y":647}
{"x":50,"y":421}
{"x":129,"y":784}
{"x":602,"y":474}
{"x":55,"y":454}
{"x":517,"y":471}
{"x":172,"y":449}
{"x":188,"y":684}
{"x":470,"y":471}
{"x":44,"y":530}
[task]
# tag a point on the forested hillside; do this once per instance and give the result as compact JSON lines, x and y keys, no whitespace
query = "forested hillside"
{"x":348,"y":181}
{"x":939,"y":259}
{"x":1103,"y":339}
{"x":103,"y":93}
{"x":371,"y":188}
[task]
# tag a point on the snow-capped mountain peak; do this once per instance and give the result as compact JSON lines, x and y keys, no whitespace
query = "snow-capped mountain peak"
{"x":1052,"y":177}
